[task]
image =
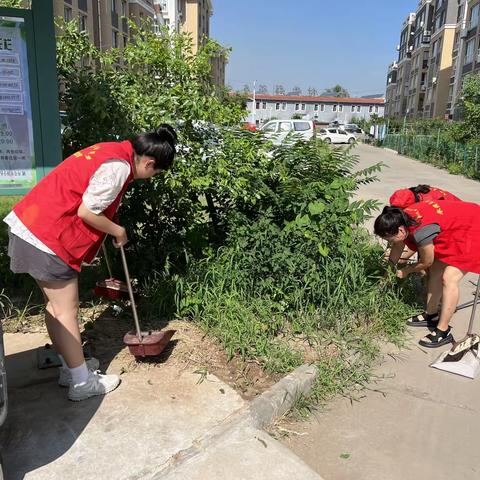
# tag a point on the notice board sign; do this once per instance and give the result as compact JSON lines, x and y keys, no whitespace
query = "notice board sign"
{"x":29,"y":112}
{"x":17,"y":151}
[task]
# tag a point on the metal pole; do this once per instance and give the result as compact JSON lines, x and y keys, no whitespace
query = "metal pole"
{"x":254,"y":105}
{"x":104,"y":249}
{"x":130,"y":292}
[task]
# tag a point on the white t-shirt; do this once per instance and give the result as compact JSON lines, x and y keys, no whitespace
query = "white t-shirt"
{"x":104,"y":186}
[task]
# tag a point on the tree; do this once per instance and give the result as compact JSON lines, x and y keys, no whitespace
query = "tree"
{"x":312,"y":92}
{"x":262,"y":89}
{"x":279,"y":90}
{"x":296,"y":91}
{"x":246,"y":88}
{"x":336,"y":91}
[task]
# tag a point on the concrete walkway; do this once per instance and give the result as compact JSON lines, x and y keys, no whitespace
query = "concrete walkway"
{"x":140,"y":431}
{"x":415,"y":422}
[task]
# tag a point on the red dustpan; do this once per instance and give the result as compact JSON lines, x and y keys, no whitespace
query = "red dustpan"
{"x":142,"y":344}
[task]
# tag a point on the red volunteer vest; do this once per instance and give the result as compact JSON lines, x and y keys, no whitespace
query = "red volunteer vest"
{"x":49,"y":210}
{"x":438,"y":194}
{"x":458,"y":242}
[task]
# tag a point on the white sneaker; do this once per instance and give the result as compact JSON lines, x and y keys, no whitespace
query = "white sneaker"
{"x":65,"y":377}
{"x":97,"y":384}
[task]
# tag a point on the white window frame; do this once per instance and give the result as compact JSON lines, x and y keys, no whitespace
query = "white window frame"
{"x":264,"y":105}
{"x":376,"y":107}
{"x":474,"y":19}
{"x":359,"y":108}
{"x":257,"y":105}
{"x":303,"y":107}
{"x":297,"y":107}
{"x":340,"y":108}
{"x":353,"y":108}
{"x":370,"y":109}
{"x":322,"y":107}
{"x":284,"y":106}
{"x":315,"y":107}
{"x":277,"y":106}
{"x":470,"y":54}
{"x":82,"y":19}
{"x":67,"y":13}
{"x":334,"y":108}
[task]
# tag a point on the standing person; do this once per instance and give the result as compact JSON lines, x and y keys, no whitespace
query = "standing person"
{"x":446,"y":235}
{"x":62,"y":223}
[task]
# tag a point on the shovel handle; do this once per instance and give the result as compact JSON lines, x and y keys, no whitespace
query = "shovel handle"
{"x":130,"y":293}
{"x":105,"y":254}
{"x":474,"y":308}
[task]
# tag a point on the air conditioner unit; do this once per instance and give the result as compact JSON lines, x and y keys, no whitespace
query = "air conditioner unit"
{"x":434,"y":80}
{"x":423,"y":88}
{"x":422,"y":23}
{"x":411,"y":48}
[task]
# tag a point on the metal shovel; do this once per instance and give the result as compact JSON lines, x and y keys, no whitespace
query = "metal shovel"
{"x":142,"y":344}
{"x":464,"y":356}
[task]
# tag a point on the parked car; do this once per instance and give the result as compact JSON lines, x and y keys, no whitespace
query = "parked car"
{"x":353,"y":128}
{"x":336,"y":135}
{"x":277,"y":130}
{"x":3,"y":392}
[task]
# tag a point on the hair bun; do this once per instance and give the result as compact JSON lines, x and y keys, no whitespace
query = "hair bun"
{"x":166,"y":132}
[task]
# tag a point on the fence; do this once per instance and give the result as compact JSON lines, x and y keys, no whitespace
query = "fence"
{"x":456,"y":157}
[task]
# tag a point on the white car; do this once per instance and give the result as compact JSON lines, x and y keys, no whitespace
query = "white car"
{"x":277,"y":130}
{"x":336,"y":135}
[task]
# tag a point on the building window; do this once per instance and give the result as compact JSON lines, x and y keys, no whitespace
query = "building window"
{"x":277,"y":106}
{"x":353,"y":108}
{"x":125,"y":41}
{"x":114,"y":39}
{"x":469,"y":51}
{"x":376,"y":107}
{"x":284,"y":106}
{"x":257,"y":105}
{"x":370,"y":109}
{"x":322,"y":108}
{"x":474,"y":15}
{"x":315,"y":107}
{"x":82,"y":23}
{"x":297,"y":106}
{"x":264,"y":105}
{"x":340,"y":108}
{"x":358,"y":108}
{"x":303,"y":106}
{"x":114,"y":5}
{"x":124,"y":8}
{"x":67,"y":14}
{"x":334,"y":108}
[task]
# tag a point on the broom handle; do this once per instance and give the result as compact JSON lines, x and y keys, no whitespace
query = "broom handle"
{"x":474,"y":307}
{"x":105,"y":254}
{"x":130,"y":292}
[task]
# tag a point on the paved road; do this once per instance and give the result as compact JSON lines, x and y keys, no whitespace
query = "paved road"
{"x":416,"y":422}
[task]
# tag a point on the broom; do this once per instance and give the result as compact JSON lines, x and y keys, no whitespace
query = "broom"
{"x":111,"y":288}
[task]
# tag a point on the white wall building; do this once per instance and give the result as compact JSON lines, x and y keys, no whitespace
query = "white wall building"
{"x":323,"y":109}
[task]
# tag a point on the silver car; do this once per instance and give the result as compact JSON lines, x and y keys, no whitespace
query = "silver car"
{"x":277,"y":130}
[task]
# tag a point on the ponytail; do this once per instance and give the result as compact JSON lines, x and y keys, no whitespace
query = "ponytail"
{"x":418,"y":190}
{"x":390,"y":220}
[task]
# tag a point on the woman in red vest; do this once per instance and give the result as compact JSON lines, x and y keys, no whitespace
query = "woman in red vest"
{"x":446,"y":235}
{"x":407,"y":196}
{"x":62,"y":222}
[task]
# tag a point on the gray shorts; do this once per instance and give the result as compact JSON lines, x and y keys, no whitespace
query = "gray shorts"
{"x":25,"y":258}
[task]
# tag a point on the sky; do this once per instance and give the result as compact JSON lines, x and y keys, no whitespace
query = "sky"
{"x":315,"y":43}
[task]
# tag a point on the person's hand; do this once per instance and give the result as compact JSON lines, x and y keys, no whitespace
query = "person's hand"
{"x":403,"y":273}
{"x":121,"y":238}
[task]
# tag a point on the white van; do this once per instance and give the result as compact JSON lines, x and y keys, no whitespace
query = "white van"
{"x":277,"y":130}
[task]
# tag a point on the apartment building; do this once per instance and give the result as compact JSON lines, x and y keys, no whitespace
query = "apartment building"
{"x":105,"y":20}
{"x":428,"y":65}
{"x":466,"y":51}
{"x":322,"y":109}
{"x":421,"y":34}
{"x":441,"y":60}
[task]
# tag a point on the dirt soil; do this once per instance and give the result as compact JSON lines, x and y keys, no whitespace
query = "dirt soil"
{"x":103,"y":330}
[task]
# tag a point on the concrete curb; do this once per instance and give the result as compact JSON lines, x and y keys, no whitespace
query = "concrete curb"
{"x":279,"y":399}
{"x":390,"y":150}
{"x":261,"y":412}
